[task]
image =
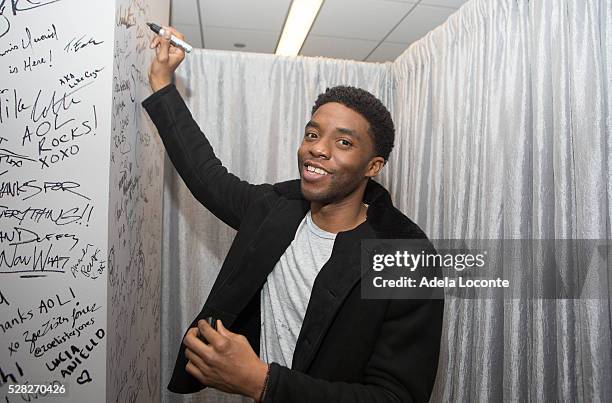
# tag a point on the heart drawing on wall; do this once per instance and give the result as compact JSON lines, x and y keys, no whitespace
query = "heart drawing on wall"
{"x":84,"y":377}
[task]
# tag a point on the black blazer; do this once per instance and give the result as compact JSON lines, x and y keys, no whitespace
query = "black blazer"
{"x":349,"y":349}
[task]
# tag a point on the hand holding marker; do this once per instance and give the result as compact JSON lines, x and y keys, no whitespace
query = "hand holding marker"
{"x":167,"y":58}
{"x":167,"y":35}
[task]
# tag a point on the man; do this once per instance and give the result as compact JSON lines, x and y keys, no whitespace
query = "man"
{"x":293,"y":326}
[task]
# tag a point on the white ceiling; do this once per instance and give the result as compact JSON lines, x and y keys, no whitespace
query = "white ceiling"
{"x":366,"y":30}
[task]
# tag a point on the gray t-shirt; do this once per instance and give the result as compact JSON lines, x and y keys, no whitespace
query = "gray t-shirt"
{"x":286,"y":293}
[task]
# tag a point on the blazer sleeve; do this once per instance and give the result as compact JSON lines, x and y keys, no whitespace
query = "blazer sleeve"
{"x":402,"y":368}
{"x":221,"y":192}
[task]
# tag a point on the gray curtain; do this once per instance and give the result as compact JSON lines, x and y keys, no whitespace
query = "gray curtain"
{"x":503,"y":122}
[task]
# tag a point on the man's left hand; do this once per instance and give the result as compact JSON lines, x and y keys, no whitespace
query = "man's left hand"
{"x":227,"y":363}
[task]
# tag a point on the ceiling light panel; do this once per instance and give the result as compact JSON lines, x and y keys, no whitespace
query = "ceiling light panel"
{"x":359,"y":19}
{"x":263,"y":15}
{"x":302,"y":14}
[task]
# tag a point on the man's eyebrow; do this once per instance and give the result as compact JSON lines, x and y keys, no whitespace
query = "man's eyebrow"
{"x":313,"y":124}
{"x":348,"y":132}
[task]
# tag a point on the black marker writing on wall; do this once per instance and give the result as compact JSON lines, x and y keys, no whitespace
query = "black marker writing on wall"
{"x":84,"y":378}
{"x":30,"y":63}
{"x":74,"y":356}
{"x":125,"y":17}
{"x":39,"y":259}
{"x":49,"y":303}
{"x":9,"y":375}
{"x":23,"y":316}
{"x":3,"y":299}
{"x":78,"y":312}
{"x":12,"y":159}
{"x":16,"y":7}
{"x":61,"y":216}
{"x":29,"y":42}
{"x":77,"y":44}
{"x":57,"y":340}
{"x":89,"y":263}
{"x":30,"y":188}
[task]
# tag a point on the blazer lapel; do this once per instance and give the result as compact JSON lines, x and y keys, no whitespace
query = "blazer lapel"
{"x":331,"y":287}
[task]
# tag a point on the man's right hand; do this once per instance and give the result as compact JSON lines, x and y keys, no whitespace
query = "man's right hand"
{"x":167,"y":59}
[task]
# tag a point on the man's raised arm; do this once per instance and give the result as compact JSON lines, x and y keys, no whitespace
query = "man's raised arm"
{"x":221,"y":192}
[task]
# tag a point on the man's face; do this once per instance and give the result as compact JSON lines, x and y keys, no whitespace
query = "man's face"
{"x":336,"y":154}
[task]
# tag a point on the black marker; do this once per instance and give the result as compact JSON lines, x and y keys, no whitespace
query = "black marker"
{"x":213,"y":323}
{"x":173,"y":39}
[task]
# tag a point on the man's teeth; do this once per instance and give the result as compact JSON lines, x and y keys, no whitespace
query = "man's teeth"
{"x":316,"y":170}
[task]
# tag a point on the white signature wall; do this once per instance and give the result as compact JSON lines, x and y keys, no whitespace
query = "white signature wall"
{"x":80,"y":201}
{"x":136,"y":164}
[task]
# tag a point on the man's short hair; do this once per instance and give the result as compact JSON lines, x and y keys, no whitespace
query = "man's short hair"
{"x":370,"y":107}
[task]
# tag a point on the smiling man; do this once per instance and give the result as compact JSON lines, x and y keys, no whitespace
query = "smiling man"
{"x":292,"y":324}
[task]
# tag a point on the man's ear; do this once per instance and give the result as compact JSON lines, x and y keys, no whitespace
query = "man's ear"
{"x":375,"y":165}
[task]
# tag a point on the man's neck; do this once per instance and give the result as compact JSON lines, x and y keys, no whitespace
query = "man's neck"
{"x":341,"y":216}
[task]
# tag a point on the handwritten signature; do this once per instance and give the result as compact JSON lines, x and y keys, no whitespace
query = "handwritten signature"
{"x":15,"y":7}
{"x":77,"y":44}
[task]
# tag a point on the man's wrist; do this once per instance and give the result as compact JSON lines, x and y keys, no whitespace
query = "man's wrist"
{"x":259,"y":381}
{"x":158,"y":85}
